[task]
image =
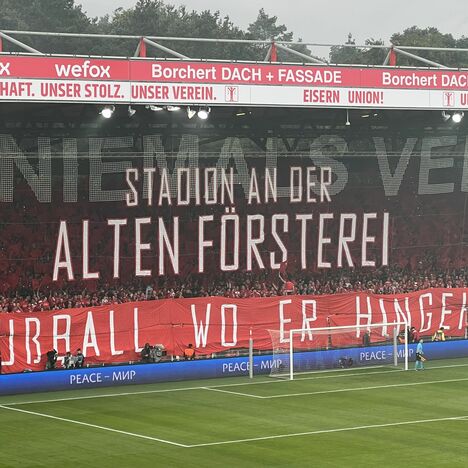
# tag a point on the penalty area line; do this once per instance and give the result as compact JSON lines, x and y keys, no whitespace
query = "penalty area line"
{"x":214,"y":389}
{"x":328,"y":431}
{"x":357,"y":389}
{"x":95,"y":426}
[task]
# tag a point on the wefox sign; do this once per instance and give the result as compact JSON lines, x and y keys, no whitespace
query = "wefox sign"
{"x":117,"y":333}
{"x":146,"y":81}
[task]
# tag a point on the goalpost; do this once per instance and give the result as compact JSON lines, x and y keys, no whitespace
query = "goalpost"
{"x":329,"y":348}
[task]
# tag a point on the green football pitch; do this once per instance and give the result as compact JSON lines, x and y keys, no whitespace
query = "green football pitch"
{"x":368,"y":417}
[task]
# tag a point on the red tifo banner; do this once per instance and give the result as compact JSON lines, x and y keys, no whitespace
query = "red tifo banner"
{"x":116,"y":333}
{"x":149,"y":81}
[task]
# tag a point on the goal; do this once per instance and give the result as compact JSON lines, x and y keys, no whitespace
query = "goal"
{"x":338,"y":348}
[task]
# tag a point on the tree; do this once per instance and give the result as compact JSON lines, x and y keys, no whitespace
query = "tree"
{"x":46,"y":15}
{"x":265,"y":28}
{"x":428,"y":37}
{"x":154,"y":18}
{"x":353,"y":55}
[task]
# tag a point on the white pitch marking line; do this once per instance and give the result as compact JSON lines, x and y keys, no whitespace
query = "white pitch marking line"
{"x":132,"y":434}
{"x":327,"y":431}
{"x":213,"y":389}
{"x":182,"y":389}
{"x":339,"y":390}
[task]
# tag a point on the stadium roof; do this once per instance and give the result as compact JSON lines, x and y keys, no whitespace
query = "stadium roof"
{"x":157,"y":42}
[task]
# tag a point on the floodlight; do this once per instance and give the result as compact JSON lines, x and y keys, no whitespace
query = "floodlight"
{"x":154,"y":108}
{"x":107,"y":111}
{"x":203,"y":113}
{"x":131,"y":111}
{"x":173,"y":108}
{"x":457,"y":116}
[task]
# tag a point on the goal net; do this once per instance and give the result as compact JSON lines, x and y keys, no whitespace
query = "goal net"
{"x":338,"y":347}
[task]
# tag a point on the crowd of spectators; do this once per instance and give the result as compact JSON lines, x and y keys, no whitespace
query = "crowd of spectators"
{"x":391,"y":280}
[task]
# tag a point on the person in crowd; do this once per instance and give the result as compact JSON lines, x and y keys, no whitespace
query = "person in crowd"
{"x":419,"y":364}
{"x":146,"y":354}
{"x":366,"y":338}
{"x":51,"y":359}
{"x":439,"y":335}
{"x":69,"y":361}
{"x":414,"y":335}
{"x":189,"y":353}
{"x":79,"y":359}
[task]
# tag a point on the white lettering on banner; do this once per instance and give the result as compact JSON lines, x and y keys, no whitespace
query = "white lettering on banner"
{"x":445,"y":311}
{"x":65,"y":336}
{"x":241,"y":74}
{"x":139,"y":246}
{"x":37,"y":324}
{"x":322,"y":240}
{"x":343,"y":240}
{"x":306,"y":320}
{"x":234,"y":234}
{"x":131,"y":197}
{"x":11,"y":346}
{"x":367,"y":240}
{"x":80,"y":379}
{"x":230,"y":367}
{"x":116,"y":223}
{"x":123,"y":376}
{"x":62,"y":242}
{"x":233,"y":308}
{"x":200,"y":330}
{"x":283,"y":321}
{"x":137,"y":347}
{"x":384,"y":316}
{"x":90,"y":337}
{"x":254,"y":241}
{"x":183,"y":72}
{"x":25,"y":336}
{"x":363,"y":315}
{"x":409,"y":80}
{"x":202,"y":243}
{"x":86,"y":273}
{"x":172,"y":250}
{"x":392,"y":182}
{"x":454,"y":81}
{"x":373,"y":355}
{"x":98,"y":168}
{"x":424,"y":315}
{"x":5,"y":68}
{"x":113,"y":351}
{"x":275,"y":265}
{"x":86,"y":70}
{"x":402,"y":316}
{"x":463,"y":314}
{"x":309,"y":76}
{"x":430,"y":164}
{"x":232,"y":149}
{"x":303,"y":218}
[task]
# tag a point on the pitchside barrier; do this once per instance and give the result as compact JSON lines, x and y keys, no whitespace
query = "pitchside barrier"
{"x":204,"y":368}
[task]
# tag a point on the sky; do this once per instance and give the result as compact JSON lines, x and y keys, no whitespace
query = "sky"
{"x":327,"y":21}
